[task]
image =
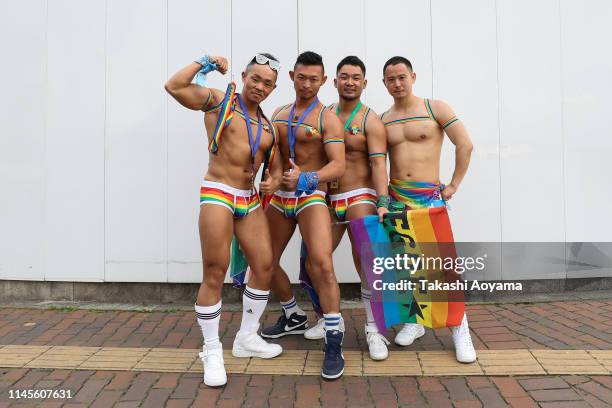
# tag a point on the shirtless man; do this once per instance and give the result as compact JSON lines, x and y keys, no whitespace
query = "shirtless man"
{"x":355,"y":194}
{"x":312,"y":150}
{"x":229,"y":203}
{"x":415,"y":132}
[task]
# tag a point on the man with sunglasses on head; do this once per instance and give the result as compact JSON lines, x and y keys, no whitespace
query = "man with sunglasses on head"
{"x":240,"y":139}
{"x":312,"y":151}
{"x":355,"y":194}
{"x":415,"y":129}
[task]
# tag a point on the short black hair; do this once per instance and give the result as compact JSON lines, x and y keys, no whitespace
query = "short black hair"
{"x":309,"y":58}
{"x":397,"y":60}
{"x":265,"y":54}
{"x":351,"y":60}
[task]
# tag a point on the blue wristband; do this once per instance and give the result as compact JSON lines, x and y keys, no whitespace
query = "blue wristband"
{"x":207,"y":67}
{"x":308,"y":181}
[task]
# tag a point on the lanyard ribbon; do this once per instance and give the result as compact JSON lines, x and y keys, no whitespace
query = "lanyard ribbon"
{"x":290,"y":132}
{"x":254,"y":144}
{"x":353,"y":113}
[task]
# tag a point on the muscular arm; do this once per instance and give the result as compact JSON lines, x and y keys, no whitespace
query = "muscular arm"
{"x":458,"y":135}
{"x":334,"y":169}
{"x":376,"y":135}
{"x":190,"y":95}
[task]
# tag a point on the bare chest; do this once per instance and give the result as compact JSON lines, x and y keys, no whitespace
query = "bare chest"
{"x":236,"y":136}
{"x":423,"y":131}
{"x":304,"y":136}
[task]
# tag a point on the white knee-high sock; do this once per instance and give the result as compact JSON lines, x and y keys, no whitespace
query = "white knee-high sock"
{"x":366,"y":295}
{"x":253,"y":305}
{"x":208,"y":319}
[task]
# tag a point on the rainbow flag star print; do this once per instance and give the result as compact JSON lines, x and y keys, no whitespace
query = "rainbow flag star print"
{"x":400,"y":289}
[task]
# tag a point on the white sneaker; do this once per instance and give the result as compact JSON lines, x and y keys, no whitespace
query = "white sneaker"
{"x":214,"y":370}
{"x":377,"y":343}
{"x":252,"y":345}
{"x":464,"y":349}
{"x":409,"y":333}
{"x":317,"y":332}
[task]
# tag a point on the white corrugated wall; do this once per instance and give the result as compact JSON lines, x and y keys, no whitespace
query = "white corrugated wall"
{"x":100,"y":169}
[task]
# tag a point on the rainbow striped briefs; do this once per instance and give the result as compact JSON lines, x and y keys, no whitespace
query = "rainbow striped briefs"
{"x":290,"y":205}
{"x":239,"y":202}
{"x":340,"y":203}
{"x":417,"y":194}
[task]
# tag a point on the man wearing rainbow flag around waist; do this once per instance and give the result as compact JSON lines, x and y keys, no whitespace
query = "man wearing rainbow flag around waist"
{"x":240,"y":139}
{"x":415,"y":132}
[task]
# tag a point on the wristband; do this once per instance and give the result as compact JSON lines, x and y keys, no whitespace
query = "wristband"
{"x":207,"y":66}
{"x":397,"y":206}
{"x":308,"y":181}
{"x":203,"y":61}
{"x":383,"y":201}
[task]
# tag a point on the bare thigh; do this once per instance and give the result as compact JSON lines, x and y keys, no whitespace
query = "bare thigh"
{"x":315,"y":227}
{"x":216,"y":230}
{"x":281,"y":230}
{"x":337,"y":234}
{"x":253,"y":235}
{"x":337,"y":231}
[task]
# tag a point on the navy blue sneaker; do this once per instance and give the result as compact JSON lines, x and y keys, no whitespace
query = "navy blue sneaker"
{"x":295,"y":324}
{"x":333,"y":362}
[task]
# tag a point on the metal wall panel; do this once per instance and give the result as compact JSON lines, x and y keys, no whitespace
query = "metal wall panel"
{"x":74,"y":221}
{"x":22,"y":139}
{"x":195,"y":28}
{"x":464,"y":53}
{"x":136,"y":142}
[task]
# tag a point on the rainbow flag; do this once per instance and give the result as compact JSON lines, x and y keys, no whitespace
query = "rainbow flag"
{"x":406,"y":237}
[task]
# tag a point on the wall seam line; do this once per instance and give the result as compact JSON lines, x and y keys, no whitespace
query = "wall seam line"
{"x":563,"y":134}
{"x":499,"y":140}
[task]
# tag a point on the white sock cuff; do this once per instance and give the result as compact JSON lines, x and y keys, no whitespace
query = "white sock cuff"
{"x":332,"y":318}
{"x":256,"y":294}
{"x":289,"y":304}
{"x":208,"y":312}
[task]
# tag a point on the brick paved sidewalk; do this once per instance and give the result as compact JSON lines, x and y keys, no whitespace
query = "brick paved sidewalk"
{"x":131,"y":389}
{"x":557,"y":325}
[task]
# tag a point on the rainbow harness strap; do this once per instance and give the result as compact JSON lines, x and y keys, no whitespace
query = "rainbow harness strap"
{"x":430,"y":116}
{"x":225,"y":117}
